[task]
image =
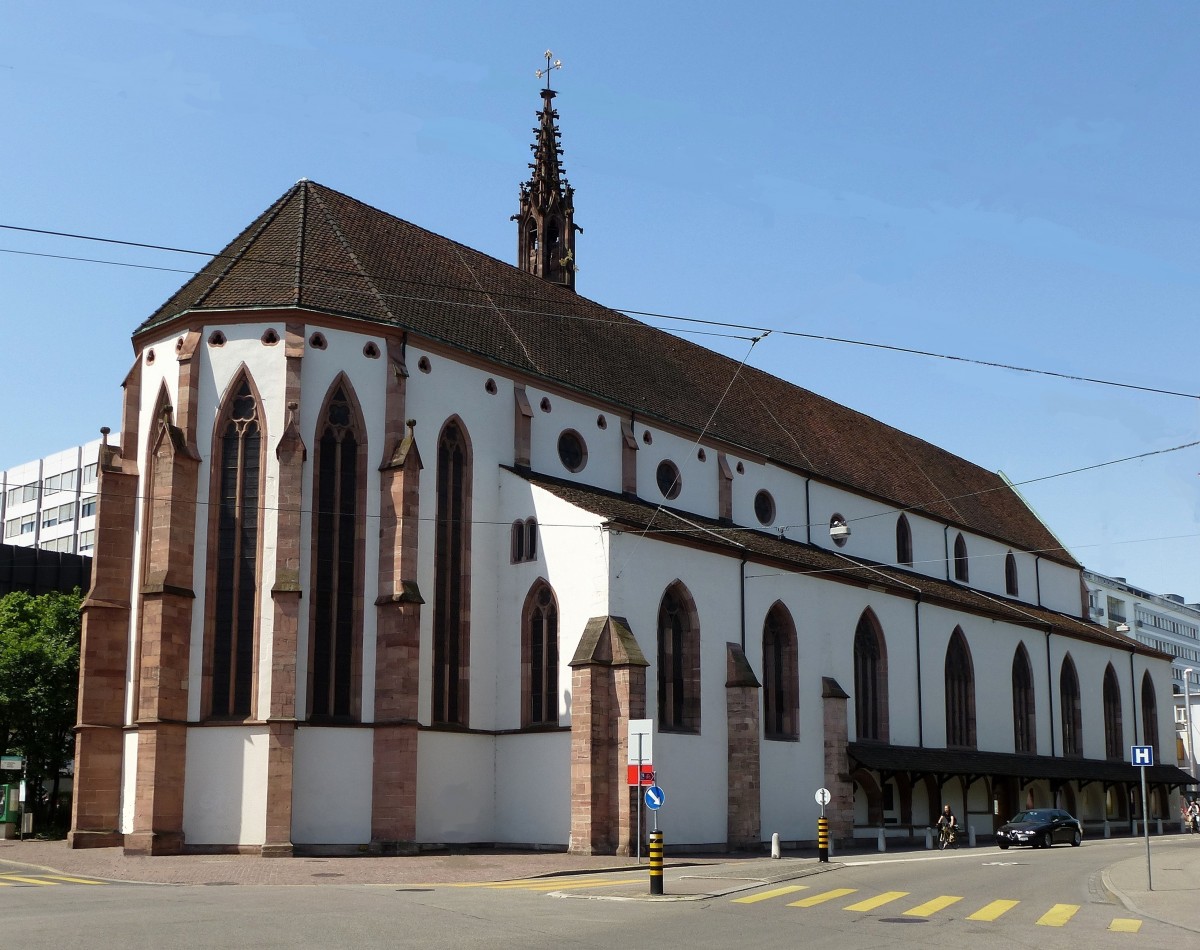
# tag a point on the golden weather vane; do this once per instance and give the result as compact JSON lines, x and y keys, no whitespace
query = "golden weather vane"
{"x":557,"y":64}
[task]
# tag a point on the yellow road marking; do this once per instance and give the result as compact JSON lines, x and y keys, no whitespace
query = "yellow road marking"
{"x":993,"y":910}
{"x":931,"y":907}
{"x":1058,"y":915}
{"x":573,"y":884}
{"x":823,"y":897}
{"x":767,"y":895}
{"x":28,"y":880}
{"x":1125,"y":925}
{"x":71,"y":880}
{"x":872,"y":902}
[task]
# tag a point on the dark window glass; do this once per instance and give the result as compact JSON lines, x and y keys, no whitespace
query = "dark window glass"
{"x":450,"y":644}
{"x":780,"y":678}
{"x":1010,"y":575}
{"x":571,"y":451}
{"x":335,"y":522}
{"x":1072,"y":720}
{"x":764,"y":507}
{"x":962,"y":570}
{"x":1114,"y":743}
{"x":668,"y":479}
{"x":1150,"y":714}
{"x":1024,"y":722}
{"x":870,"y":680}
{"x":541,"y":648}
{"x":678,"y":664}
{"x":960,"y":693}
{"x":904,"y":552}
{"x":238,"y":477}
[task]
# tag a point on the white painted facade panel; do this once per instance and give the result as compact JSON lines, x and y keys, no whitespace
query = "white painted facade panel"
{"x":533,"y":788}
{"x":225,"y":785}
{"x":331,"y":786}
{"x":129,"y":759}
{"x":456,"y":787}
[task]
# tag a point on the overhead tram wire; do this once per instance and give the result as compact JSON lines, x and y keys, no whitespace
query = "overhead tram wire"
{"x":758,"y":331}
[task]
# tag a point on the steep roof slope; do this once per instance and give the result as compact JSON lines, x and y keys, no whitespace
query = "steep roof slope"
{"x":321,"y":250}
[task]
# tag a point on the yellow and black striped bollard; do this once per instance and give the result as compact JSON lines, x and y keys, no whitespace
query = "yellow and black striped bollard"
{"x":656,"y":862}
{"x":823,"y":839}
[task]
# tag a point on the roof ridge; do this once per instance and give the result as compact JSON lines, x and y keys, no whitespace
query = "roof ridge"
{"x":335,"y":225}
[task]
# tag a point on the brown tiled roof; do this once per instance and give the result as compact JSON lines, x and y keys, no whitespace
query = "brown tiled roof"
{"x":321,"y":250}
{"x":761,"y":547}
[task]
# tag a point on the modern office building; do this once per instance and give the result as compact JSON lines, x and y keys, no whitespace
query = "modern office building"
{"x":50,"y":503}
{"x":1164,"y":622}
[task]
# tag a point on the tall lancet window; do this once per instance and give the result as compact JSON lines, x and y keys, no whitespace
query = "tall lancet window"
{"x":451,"y":580}
{"x":1114,"y":742}
{"x":238,"y":481}
{"x":539,"y":657}
{"x":338,"y":501}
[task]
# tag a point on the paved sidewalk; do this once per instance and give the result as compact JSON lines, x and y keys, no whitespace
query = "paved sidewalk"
{"x":1174,"y":874}
{"x":442,"y":867}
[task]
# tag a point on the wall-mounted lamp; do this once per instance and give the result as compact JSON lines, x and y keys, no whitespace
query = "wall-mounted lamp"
{"x":1122,"y":628}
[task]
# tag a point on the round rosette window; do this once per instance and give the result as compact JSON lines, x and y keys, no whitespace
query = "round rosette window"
{"x":572,"y":451}
{"x":669,"y":481}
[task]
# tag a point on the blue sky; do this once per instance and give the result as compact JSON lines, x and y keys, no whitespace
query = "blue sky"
{"x":1013,"y":183}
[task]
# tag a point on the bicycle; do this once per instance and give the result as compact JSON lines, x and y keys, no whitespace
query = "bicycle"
{"x":947,"y":837}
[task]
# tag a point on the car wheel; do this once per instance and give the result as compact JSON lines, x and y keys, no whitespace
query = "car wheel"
{"x":1003,"y":845}
{"x":1047,"y":840}
{"x":1076,"y":839}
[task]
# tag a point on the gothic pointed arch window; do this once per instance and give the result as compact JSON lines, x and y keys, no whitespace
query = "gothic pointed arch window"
{"x":451,"y":577}
{"x":678,"y":661}
{"x":231,"y":636}
{"x":960,"y":693}
{"x":1072,"y":716}
{"x":1149,"y":713}
{"x":1114,"y":740}
{"x":339,"y":500}
{"x":539,"y":656}
{"x":870,"y":679}
{"x":962,"y":570}
{"x":781,"y":683}
{"x":1010,"y":575}
{"x":1024,"y":718}
{"x":904,"y":549}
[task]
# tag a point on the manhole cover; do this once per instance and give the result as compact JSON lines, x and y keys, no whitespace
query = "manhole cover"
{"x":904,"y":920}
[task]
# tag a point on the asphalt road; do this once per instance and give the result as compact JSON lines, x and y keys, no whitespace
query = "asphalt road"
{"x":1044,"y":899}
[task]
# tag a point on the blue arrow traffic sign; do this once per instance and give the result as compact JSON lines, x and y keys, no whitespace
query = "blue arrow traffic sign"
{"x":655,"y":796}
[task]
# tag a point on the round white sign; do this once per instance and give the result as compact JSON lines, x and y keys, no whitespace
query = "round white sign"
{"x":823,"y":796}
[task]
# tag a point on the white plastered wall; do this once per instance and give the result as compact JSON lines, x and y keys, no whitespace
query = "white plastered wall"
{"x":225,"y":785}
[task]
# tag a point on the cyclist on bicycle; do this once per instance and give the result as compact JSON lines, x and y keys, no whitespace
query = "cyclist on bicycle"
{"x":947,"y":826}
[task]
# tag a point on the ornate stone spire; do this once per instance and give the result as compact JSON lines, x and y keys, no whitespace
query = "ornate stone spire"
{"x":546,"y":222}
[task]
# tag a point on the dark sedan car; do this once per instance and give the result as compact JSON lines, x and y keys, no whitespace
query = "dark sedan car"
{"x":1040,"y":828}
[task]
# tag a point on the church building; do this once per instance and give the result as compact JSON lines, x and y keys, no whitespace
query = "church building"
{"x":397,"y":538}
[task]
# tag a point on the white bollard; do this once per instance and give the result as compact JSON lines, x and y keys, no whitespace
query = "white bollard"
{"x":776,"y":852}
{"x":970,"y":836}
{"x":882,"y":840}
{"x":1160,"y":831}
{"x":928,"y":839}
{"x":1107,"y":829}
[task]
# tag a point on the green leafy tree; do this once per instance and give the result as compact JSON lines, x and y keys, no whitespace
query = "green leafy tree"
{"x":39,"y":685}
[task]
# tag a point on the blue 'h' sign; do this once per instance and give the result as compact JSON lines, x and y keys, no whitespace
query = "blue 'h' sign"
{"x":1141,"y":754}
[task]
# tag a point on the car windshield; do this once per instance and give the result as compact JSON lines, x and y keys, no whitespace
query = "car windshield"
{"x":1035,"y":815}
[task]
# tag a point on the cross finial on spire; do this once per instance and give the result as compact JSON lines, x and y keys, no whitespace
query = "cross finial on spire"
{"x":557,"y":64}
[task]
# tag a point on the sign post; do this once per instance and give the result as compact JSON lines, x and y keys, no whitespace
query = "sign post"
{"x":823,"y":798}
{"x":1142,"y":756}
{"x":640,"y":768}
